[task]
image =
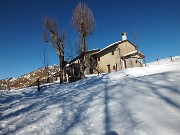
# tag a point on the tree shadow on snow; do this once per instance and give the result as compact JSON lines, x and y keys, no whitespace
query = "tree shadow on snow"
{"x":160,"y":88}
{"x":75,"y":98}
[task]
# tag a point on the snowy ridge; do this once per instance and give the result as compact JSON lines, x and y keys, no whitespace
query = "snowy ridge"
{"x":136,"y":101}
{"x":165,"y":61}
{"x":29,"y":79}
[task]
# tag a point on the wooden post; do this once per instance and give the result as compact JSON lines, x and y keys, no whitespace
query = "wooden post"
{"x":171,"y":58}
{"x":38,"y":84}
{"x":157,"y":61}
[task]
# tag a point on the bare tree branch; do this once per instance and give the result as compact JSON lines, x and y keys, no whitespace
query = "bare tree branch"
{"x":78,"y":47}
{"x":83,"y":21}
{"x":51,"y":36}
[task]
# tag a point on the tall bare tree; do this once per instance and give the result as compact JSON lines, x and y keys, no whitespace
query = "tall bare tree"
{"x":45,"y":64}
{"x":51,"y":35}
{"x":84,"y":23}
{"x":78,"y":47}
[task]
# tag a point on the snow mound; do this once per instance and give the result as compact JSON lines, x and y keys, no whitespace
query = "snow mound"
{"x":135,"y":101}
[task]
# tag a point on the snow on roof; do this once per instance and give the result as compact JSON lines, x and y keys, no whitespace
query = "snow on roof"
{"x":93,"y":50}
{"x":87,"y":52}
{"x":133,"y":52}
{"x":130,"y":53}
{"x":110,"y":46}
{"x":67,"y":65}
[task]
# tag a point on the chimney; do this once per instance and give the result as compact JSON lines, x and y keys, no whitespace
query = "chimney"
{"x":124,"y":36}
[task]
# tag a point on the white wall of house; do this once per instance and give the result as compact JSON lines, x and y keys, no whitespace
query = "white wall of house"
{"x":112,"y":56}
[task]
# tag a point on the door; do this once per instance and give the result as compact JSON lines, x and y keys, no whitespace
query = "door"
{"x":109,"y":68}
{"x":125,"y":64}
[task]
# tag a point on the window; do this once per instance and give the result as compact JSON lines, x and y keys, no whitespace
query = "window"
{"x":112,"y":52}
{"x":114,"y":67}
{"x":109,"y":69}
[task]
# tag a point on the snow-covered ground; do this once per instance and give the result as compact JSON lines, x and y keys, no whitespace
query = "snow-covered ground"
{"x":136,"y":101}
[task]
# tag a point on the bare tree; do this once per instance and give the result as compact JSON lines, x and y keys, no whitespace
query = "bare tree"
{"x":84,"y":23}
{"x":51,"y":36}
{"x":45,"y":64}
{"x":78,"y":47}
{"x":70,"y":53}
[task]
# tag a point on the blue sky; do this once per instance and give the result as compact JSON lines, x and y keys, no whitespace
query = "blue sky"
{"x":157,"y":23}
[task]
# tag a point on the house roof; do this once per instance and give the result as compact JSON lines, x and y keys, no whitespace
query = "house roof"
{"x":88,"y":52}
{"x":113,"y":44}
{"x":133,"y":53}
{"x":99,"y":51}
{"x":57,"y":74}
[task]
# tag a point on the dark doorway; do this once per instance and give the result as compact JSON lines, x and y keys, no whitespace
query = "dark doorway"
{"x":91,"y":71}
{"x":109,"y":69}
{"x":125,"y":64}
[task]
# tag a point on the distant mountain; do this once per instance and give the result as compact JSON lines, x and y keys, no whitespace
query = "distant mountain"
{"x":29,"y":79}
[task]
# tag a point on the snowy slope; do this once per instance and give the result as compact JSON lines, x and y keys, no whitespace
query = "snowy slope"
{"x":136,"y":101}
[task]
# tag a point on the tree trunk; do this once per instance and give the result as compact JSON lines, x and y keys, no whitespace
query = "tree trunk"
{"x":83,"y":44}
{"x":64,"y":71}
{"x":83,"y":56}
{"x":61,"y":69}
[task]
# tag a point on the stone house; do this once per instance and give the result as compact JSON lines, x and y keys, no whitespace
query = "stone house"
{"x":117,"y":56}
{"x":73,"y":68}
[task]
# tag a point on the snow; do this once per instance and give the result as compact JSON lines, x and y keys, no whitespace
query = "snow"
{"x":27,"y":76}
{"x":93,"y":49}
{"x":133,"y":52}
{"x":135,"y":101}
{"x":11,"y":80}
{"x":110,"y":46}
{"x":67,"y":65}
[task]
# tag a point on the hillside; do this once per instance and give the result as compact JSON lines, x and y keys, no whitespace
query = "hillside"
{"x":136,"y":101}
{"x":29,"y":79}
